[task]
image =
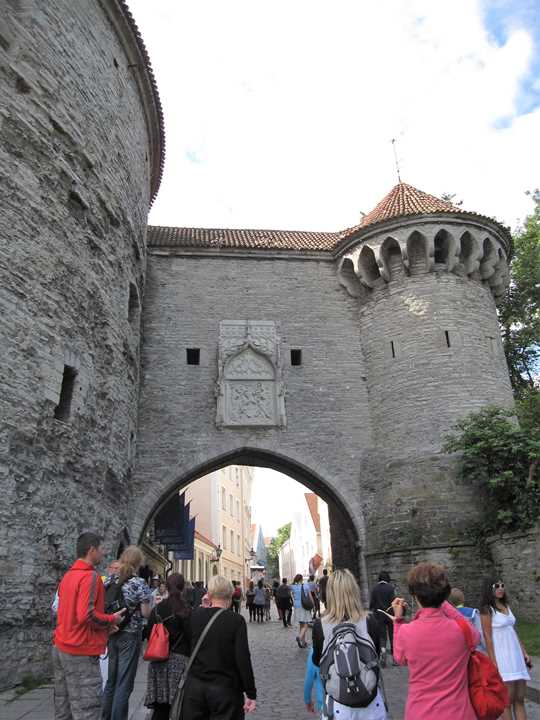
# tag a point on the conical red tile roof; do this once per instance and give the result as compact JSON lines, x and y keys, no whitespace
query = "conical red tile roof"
{"x":404,"y":199}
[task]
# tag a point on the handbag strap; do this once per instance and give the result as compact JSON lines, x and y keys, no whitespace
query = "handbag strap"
{"x":204,"y":633}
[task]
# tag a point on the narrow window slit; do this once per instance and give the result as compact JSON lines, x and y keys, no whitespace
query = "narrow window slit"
{"x":63,"y":410}
{"x":447,"y":336}
{"x":393,"y":348}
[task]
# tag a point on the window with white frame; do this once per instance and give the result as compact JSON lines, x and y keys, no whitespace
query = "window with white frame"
{"x":223,"y":498}
{"x":224,"y":539}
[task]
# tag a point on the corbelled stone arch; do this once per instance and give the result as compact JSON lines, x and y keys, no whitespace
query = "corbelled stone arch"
{"x":346,"y":529}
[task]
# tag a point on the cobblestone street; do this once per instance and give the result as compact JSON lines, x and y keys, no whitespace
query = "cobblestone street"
{"x":279,"y":667}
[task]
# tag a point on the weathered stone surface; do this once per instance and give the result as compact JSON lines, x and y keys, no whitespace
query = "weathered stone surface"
{"x":75,"y":190}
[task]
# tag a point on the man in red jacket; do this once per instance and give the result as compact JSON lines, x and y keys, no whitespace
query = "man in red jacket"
{"x":82,"y":629}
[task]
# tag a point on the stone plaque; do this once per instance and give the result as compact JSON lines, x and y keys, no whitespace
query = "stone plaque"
{"x":250,"y":390}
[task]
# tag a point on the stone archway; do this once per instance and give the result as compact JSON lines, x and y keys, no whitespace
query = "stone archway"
{"x":346,"y":544}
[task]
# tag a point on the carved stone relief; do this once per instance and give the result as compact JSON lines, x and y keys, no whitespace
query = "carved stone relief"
{"x":249,"y":390}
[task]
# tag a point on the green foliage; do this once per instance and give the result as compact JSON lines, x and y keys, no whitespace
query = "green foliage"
{"x":519,"y":309}
{"x":501,"y":458}
{"x":272,"y":554}
{"x":529,"y":634}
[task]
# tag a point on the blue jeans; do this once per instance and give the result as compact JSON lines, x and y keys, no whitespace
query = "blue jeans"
{"x":124,"y":650}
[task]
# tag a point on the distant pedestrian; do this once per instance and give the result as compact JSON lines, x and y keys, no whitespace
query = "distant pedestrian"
{"x":250,"y":598}
{"x":199,"y":591}
{"x":380,"y":603}
{"x":275,"y":586}
{"x":189,"y":594}
{"x":302,"y":615}
{"x":322,"y":586}
{"x":284,"y":602}
{"x":267,"y":602}
{"x":163,"y":677}
{"x":343,"y":609}
{"x":81,"y":633}
{"x":220,"y":684}
{"x":434,"y":648}
{"x":259,"y":601}
{"x":159,"y":594}
{"x":313,"y":679}
{"x":504,"y":646}
{"x":124,"y":646}
{"x":236,"y":596}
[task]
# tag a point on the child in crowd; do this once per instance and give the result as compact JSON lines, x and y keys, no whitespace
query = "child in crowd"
{"x":313,"y":677}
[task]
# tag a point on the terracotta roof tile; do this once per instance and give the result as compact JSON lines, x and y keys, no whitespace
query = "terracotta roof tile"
{"x":402,"y":200}
{"x":241,"y":239}
{"x":311,"y":500}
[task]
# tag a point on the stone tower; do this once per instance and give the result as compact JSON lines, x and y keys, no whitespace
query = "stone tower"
{"x":425,"y":275}
{"x":80,"y":160}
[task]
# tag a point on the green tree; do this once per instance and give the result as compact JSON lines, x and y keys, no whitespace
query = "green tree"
{"x":519,"y":310}
{"x":272,"y":555}
{"x":500,"y":457}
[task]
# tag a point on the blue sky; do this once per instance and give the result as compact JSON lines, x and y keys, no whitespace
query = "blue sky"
{"x":280,"y":114}
{"x":502,"y":18}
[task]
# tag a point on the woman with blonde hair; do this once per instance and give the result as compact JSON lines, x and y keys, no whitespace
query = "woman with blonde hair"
{"x":128,"y":590}
{"x":344,"y":607}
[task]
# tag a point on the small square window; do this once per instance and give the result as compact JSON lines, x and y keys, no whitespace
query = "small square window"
{"x":296,"y":357}
{"x":193,"y":356}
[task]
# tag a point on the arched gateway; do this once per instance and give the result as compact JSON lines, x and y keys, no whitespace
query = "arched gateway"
{"x":345,"y":542}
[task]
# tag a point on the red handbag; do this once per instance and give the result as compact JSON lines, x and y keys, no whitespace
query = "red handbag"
{"x":488,"y":693}
{"x":157,"y":649}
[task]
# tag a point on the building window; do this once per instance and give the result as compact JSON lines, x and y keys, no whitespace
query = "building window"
{"x":133,"y":305}
{"x":224,"y":533}
{"x":63,"y":410}
{"x":193,"y":356}
{"x":232,"y":541}
{"x":238,"y":509}
{"x":296,"y":357}
{"x":231,"y":504}
{"x":238,"y":545}
{"x":223,"y":499}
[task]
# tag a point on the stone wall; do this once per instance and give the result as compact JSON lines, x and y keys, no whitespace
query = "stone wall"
{"x":75,"y":191}
{"x":515,"y":557}
{"x":328,"y":424}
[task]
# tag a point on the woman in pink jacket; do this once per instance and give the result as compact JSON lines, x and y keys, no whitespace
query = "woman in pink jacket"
{"x":434,"y":648}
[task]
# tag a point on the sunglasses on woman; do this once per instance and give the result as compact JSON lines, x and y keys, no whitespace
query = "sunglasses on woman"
{"x":498,"y":586}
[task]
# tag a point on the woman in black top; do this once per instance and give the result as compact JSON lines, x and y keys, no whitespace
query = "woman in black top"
{"x":220,"y":683}
{"x":163,"y":677}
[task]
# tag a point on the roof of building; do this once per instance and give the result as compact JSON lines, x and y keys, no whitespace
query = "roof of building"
{"x":204,"y":539}
{"x":403,"y":200}
{"x":159,"y":236}
{"x":157,"y":170}
{"x":311,"y":500}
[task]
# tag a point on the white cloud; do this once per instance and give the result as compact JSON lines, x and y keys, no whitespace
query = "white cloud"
{"x":281,"y":114}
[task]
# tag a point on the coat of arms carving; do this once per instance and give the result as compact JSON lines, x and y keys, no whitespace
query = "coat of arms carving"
{"x":250,"y":390}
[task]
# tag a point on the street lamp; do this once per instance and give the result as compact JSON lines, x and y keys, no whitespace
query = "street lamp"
{"x":217,"y":554}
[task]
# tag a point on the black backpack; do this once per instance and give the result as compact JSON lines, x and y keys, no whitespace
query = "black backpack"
{"x":115,"y":601}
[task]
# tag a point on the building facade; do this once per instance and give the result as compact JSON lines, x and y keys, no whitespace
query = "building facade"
{"x":341,"y":359}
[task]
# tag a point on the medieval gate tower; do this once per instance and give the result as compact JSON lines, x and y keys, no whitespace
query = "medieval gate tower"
{"x":135,"y":359}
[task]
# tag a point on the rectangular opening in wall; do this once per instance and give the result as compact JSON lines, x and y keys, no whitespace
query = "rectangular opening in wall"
{"x":392,"y":348}
{"x":63,"y":410}
{"x":296,"y":357}
{"x":447,"y":338}
{"x":193,"y":356}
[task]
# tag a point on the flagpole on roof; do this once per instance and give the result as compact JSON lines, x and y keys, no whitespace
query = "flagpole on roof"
{"x":393,"y":141}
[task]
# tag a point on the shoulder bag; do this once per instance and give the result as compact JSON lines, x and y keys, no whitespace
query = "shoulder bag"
{"x":176,"y":705}
{"x":488,"y":693}
{"x":158,"y":649}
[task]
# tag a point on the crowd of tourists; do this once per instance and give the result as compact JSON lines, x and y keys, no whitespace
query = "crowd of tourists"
{"x":200,"y":668}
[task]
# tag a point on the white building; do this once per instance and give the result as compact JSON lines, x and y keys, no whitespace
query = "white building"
{"x":308,"y":551}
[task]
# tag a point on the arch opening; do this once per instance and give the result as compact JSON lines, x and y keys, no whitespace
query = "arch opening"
{"x":416,"y":252}
{"x":341,"y":528}
{"x":392,"y":258}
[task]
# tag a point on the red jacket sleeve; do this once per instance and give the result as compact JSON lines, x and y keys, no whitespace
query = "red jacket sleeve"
{"x":90,"y":597}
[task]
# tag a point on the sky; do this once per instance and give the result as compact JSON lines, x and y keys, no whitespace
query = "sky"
{"x":274,"y":498}
{"x":280,"y":114}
